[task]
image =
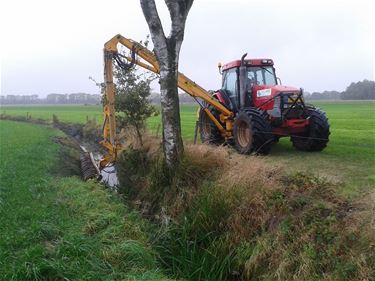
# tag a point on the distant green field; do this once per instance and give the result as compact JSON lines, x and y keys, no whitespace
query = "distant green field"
{"x":350,"y":155}
{"x":67,"y":113}
{"x":80,"y":113}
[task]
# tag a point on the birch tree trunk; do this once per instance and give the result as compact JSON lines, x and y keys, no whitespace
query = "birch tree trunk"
{"x":167,"y":50}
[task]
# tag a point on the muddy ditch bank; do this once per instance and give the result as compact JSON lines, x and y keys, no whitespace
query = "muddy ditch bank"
{"x":79,"y":137}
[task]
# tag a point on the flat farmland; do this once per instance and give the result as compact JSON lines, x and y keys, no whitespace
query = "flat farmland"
{"x":56,"y":227}
{"x":50,"y":223}
{"x":66,"y":113}
{"x":349,"y":157}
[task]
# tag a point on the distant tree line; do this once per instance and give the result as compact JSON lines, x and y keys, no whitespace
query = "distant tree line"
{"x":326,"y":95}
{"x":363,"y":90}
{"x":74,"y":98}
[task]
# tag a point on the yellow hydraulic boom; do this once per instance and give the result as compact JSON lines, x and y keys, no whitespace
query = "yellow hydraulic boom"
{"x":149,"y":62}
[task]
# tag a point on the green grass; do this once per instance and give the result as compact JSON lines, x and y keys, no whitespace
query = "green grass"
{"x":80,"y":114}
{"x":55,"y":228}
{"x":349,"y":157}
{"x":66,"y":113}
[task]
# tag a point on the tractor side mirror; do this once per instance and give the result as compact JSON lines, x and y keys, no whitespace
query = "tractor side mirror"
{"x":219,"y":67}
{"x":278,"y":81}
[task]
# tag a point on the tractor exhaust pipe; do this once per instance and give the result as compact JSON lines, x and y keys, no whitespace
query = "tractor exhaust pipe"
{"x":243,"y":79}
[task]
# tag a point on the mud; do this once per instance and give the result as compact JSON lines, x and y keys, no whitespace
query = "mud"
{"x":69,"y":163}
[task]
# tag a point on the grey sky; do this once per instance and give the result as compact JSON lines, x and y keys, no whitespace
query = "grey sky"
{"x":54,"y":46}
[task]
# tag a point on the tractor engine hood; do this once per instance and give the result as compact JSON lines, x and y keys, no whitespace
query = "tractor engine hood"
{"x":262,"y":94}
{"x":280,"y":88}
{"x":270,"y":91}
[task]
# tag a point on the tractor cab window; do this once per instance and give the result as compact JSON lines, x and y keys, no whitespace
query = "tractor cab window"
{"x":230,"y":85}
{"x":230,"y":82}
{"x":261,"y":75}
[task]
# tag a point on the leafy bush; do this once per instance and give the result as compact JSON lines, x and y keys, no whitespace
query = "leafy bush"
{"x":132,"y":98}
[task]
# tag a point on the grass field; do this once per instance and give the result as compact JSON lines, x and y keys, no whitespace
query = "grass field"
{"x":349,"y":157}
{"x":59,"y":228}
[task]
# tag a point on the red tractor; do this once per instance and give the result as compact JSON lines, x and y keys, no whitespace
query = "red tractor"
{"x":264,"y":110}
{"x":250,"y":111}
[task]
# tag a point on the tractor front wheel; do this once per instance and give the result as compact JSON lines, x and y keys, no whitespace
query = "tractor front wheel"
{"x":252,"y":132}
{"x":316,"y":136}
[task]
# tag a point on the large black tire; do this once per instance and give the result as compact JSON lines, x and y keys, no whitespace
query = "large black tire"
{"x":252,"y":132}
{"x":317,"y":134}
{"x":208,"y":131}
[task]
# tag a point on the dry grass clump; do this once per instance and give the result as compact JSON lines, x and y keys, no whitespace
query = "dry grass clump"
{"x":303,"y":230}
{"x":131,"y":140}
{"x":230,"y":213}
{"x":252,"y":180}
{"x":250,"y":172}
{"x":91,"y":131}
{"x":208,"y":158}
{"x":147,"y":182}
{"x":201,"y":163}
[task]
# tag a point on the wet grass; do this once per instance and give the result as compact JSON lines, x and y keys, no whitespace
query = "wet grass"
{"x":349,"y":157}
{"x":60,"y":228}
{"x":227,"y":218}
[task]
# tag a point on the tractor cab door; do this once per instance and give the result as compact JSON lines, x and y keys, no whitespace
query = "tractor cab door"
{"x":230,"y":86}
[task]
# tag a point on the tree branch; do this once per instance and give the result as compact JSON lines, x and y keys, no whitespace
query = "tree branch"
{"x":154,"y":24}
{"x":178,"y":10}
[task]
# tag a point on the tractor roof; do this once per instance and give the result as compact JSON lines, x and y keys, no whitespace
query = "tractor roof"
{"x":249,"y":62}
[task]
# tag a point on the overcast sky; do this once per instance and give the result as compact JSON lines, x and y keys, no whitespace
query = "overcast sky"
{"x":54,"y":46}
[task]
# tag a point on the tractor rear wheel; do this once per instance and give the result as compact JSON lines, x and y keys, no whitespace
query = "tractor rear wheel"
{"x":208,"y":131}
{"x":252,"y":132}
{"x":317,"y":134}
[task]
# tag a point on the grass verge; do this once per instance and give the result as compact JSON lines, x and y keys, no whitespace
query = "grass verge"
{"x":223,"y":216}
{"x":60,"y":228}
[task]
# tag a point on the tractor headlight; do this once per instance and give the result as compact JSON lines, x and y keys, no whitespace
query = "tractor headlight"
{"x":289,"y":98}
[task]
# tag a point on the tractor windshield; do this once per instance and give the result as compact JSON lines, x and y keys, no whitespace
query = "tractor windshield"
{"x":261,"y":75}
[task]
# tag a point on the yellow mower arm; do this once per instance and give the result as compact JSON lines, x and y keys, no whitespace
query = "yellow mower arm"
{"x":149,"y":62}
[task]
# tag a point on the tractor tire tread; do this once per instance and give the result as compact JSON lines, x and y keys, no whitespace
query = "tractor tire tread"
{"x":262,"y":132}
{"x":319,"y":131}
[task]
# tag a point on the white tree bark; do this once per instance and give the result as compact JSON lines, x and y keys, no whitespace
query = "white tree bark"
{"x":167,"y":50}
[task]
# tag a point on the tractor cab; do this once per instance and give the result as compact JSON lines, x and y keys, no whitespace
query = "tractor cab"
{"x":253,"y":83}
{"x":256,"y":75}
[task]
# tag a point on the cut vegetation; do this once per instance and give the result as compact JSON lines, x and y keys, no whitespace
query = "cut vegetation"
{"x":224,"y":216}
